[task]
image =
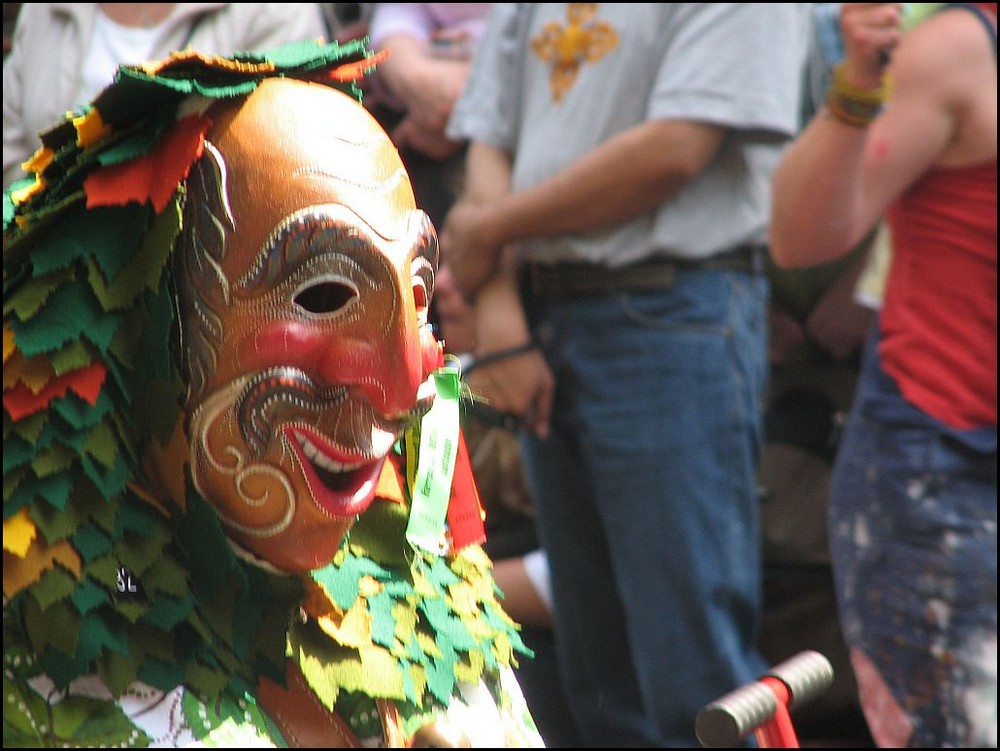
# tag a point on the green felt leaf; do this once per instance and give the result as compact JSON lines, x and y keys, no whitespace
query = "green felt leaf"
{"x":88,"y":595}
{"x":79,"y":414}
{"x":98,"y":633}
{"x":55,"y":585}
{"x":138,"y":552}
{"x":102,"y":444}
{"x":147,"y":640}
{"x":25,"y":302}
{"x":104,"y":570}
{"x":441,"y":677}
{"x":54,"y":627}
{"x":30,"y":428}
{"x":51,"y":461}
{"x":378,"y":533}
{"x":140,"y":271}
{"x":44,"y":214}
{"x":160,"y":674}
{"x":110,"y":482}
{"x":17,"y":453}
{"x":168,"y":577}
{"x":91,"y":541}
{"x":69,"y":315}
{"x":341,"y":581}
{"x":107,"y":233}
{"x":54,"y":490}
{"x":164,"y":406}
{"x":132,"y":145}
{"x":11,"y":482}
{"x":72,"y":356}
{"x":87,"y":505}
{"x":167,"y":611}
{"x":139,"y":517}
{"x":117,"y":671}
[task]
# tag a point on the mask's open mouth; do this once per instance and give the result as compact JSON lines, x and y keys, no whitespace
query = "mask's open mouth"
{"x":340,"y":485}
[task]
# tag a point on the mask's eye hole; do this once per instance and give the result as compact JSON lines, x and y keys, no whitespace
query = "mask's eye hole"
{"x":325,"y":296}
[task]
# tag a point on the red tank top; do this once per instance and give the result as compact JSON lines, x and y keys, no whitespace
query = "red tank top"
{"x":939,"y":315}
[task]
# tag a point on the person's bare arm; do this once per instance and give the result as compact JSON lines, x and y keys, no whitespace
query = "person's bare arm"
{"x":624,"y":177}
{"x":836,"y":181}
{"x":471,"y":255}
{"x":427,"y":86}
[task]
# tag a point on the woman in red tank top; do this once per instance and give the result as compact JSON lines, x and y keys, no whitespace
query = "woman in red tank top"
{"x":913,"y":506}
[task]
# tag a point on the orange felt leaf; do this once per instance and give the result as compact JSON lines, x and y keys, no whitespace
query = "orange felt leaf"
{"x":353,"y":71}
{"x":390,"y":483}
{"x":85,"y":382}
{"x":155,"y":176}
{"x":35,"y":373}
{"x":8,"y":343}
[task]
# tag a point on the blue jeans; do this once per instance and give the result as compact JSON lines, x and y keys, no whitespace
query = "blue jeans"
{"x":913,"y":539}
{"x":646,"y":499}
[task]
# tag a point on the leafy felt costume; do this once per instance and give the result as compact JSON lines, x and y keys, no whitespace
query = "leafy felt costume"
{"x":121,"y":587}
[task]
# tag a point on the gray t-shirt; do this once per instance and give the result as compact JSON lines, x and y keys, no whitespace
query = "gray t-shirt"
{"x":737,"y":65}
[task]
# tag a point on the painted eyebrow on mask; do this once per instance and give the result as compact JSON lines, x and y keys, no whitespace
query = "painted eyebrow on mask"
{"x":308,"y":234}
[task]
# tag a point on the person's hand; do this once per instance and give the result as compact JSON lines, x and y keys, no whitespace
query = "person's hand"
{"x":786,"y":335}
{"x":429,"y":102}
{"x":871,"y":31}
{"x":430,"y":142}
{"x":522,"y":385}
{"x":467,"y":248}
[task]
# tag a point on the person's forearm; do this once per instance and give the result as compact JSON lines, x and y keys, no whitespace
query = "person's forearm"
{"x":396,"y":70}
{"x":816,"y":213}
{"x":625,"y":177}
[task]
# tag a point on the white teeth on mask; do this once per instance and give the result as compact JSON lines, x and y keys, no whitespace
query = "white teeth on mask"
{"x":321,"y":460}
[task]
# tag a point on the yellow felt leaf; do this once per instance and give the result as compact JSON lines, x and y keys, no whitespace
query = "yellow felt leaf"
{"x":470,"y":668}
{"x":19,"y":573}
{"x":23,"y":194}
{"x":90,"y":129}
{"x":369,"y":586}
{"x":405,"y":618}
{"x":18,"y":533}
{"x":38,"y":161}
{"x":464,"y":598}
{"x":353,"y":630}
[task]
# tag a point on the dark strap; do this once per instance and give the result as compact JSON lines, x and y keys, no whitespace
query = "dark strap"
{"x":987,"y":18}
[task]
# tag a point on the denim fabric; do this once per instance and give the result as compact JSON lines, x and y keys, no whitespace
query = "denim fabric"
{"x":646,"y":498}
{"x":913,"y":536}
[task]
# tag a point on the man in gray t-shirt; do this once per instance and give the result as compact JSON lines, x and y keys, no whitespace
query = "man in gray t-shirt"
{"x":616,"y":204}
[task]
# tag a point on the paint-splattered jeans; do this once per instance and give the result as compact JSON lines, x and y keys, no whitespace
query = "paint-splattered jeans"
{"x":913,"y":534}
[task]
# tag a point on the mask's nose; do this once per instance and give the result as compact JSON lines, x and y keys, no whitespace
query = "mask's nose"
{"x":388,"y":360}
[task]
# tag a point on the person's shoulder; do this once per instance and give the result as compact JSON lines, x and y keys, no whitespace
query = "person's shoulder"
{"x":954,"y":33}
{"x":950,"y":49}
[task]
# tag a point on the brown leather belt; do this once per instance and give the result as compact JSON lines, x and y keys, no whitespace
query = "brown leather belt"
{"x":591,"y":279}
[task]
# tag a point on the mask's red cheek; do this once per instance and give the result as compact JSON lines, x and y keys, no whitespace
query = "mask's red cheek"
{"x":286,"y":343}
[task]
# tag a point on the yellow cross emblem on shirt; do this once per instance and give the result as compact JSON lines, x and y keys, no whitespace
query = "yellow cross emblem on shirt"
{"x":582,"y":40}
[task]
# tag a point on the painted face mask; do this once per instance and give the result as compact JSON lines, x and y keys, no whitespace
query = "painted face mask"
{"x":304,"y":280}
{"x":226,"y":428}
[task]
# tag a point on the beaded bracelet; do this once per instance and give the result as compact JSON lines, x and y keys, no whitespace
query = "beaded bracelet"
{"x":852,"y":104}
